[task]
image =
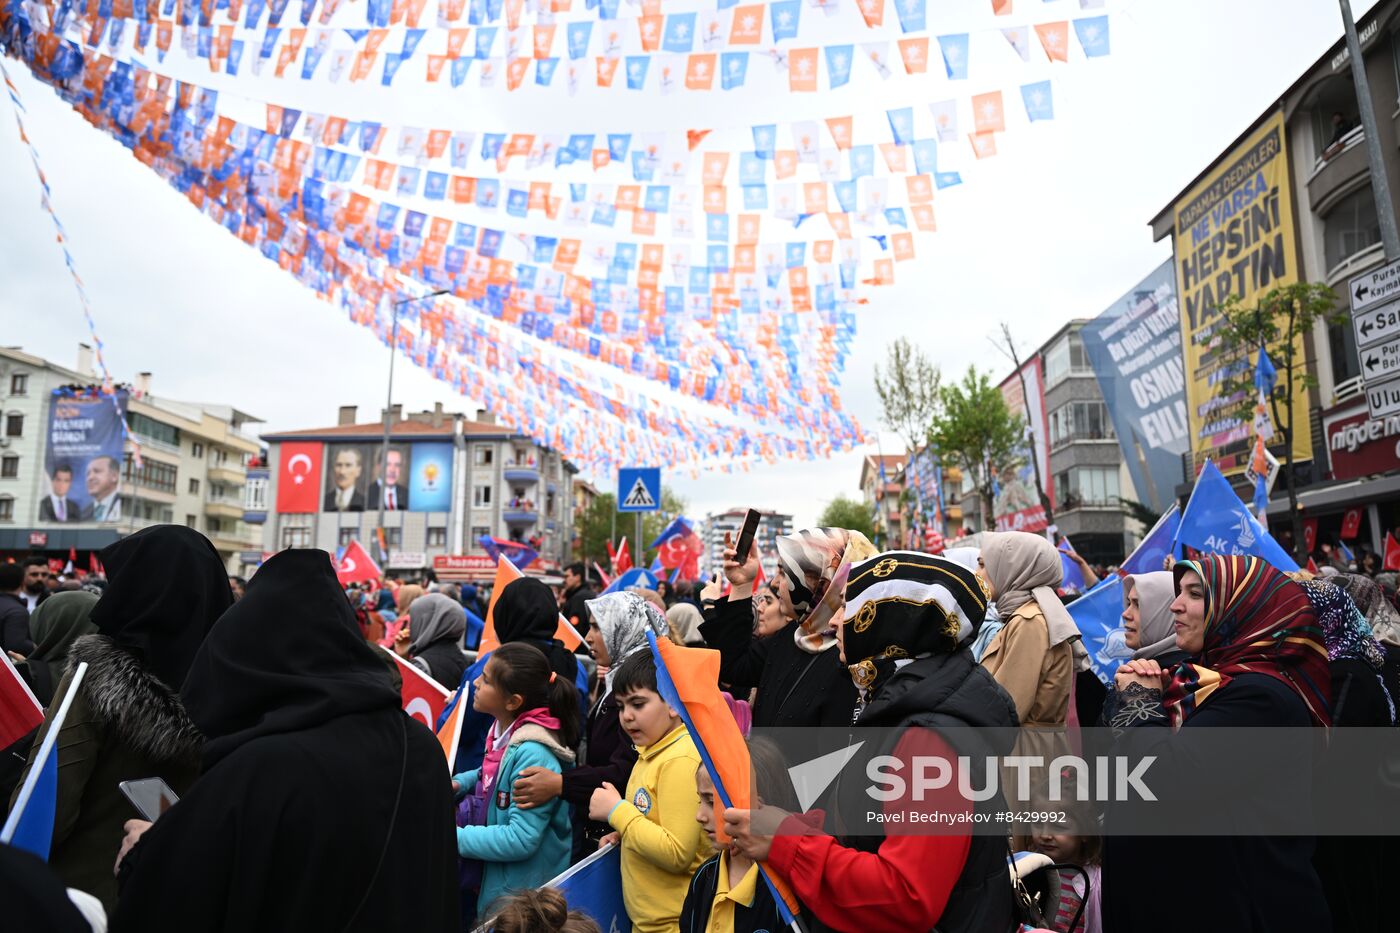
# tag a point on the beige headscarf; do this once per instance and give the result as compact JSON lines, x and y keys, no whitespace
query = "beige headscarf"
{"x":1022,"y":567}
{"x":406,"y":595}
{"x":1156,"y":628}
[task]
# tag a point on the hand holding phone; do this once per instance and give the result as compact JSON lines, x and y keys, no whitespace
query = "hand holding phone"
{"x":150,"y":796}
{"x":746,"y":534}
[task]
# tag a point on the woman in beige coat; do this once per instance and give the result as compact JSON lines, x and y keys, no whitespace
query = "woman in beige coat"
{"x":1034,"y":656}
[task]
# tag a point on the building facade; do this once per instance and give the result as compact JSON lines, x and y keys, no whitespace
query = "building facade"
{"x":450,"y":481}
{"x":881,"y":486}
{"x":192,"y":468}
{"x":770,"y":526}
{"x":1352,"y":470}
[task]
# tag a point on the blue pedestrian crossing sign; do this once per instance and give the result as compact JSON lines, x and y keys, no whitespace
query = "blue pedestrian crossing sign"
{"x":639,"y":489}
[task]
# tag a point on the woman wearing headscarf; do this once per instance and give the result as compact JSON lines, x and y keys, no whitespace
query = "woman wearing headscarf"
{"x":322,"y":806}
{"x":907,"y":627}
{"x":1257,"y":658}
{"x":165,"y":588}
{"x":526,"y":610}
{"x":1148,"y":626}
{"x":800,"y":680}
{"x":618,"y":626}
{"x":55,"y":625}
{"x":1384,"y":620}
{"x":1037,"y":651}
{"x":432,"y":641}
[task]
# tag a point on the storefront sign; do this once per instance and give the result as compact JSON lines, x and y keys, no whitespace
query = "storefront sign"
{"x":464,"y":563}
{"x":38,"y":539}
{"x":407,"y":560}
{"x":1360,"y":445}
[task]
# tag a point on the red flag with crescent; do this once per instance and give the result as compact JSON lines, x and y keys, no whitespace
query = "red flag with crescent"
{"x":356,"y":566}
{"x":299,"y":477}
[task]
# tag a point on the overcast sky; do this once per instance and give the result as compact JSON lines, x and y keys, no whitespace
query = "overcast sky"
{"x":1054,"y":227}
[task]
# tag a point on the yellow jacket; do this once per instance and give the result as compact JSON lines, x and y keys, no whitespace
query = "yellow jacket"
{"x":662,"y":845}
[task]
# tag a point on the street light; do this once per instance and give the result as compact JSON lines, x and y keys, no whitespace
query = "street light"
{"x":389,"y":401}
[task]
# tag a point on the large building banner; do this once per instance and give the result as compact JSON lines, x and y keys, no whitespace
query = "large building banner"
{"x":1135,"y":349}
{"x":1017,"y":504}
{"x":83,"y":458}
{"x":1233,"y":235}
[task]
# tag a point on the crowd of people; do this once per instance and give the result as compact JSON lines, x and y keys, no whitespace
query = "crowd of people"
{"x":308,"y":800}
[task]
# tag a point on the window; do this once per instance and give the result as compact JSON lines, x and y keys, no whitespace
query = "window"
{"x":153,"y":430}
{"x":296,"y":537}
{"x":152,"y":475}
{"x":484,"y":455}
{"x":14,"y":425}
{"x":19,"y":384}
{"x":9,"y":466}
{"x":1066,"y":358}
{"x":346,"y":535}
{"x":255,"y":495}
{"x":213,"y":525}
{"x":197,"y":449}
{"x":191,"y":521}
{"x":1350,"y":227}
{"x":393,"y":537}
{"x":1087,"y":486}
{"x":194,"y":486}
{"x":1080,"y":421}
{"x":479,"y":532}
{"x":7,"y":509}
{"x":481,"y":497}
{"x":437,"y":537}
{"x":1346,"y":363}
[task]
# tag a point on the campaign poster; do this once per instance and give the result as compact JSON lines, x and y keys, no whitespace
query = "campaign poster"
{"x":1016,"y":506}
{"x":347,"y":477}
{"x":430,"y":479}
{"x":83,"y":457}
{"x":1233,"y":236}
{"x":388,"y":470}
{"x":1135,"y":349}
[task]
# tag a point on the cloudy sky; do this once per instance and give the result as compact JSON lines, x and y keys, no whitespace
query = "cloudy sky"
{"x":1054,"y":227}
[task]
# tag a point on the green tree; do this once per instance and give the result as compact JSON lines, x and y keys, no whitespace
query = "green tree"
{"x":1281,"y":316}
{"x":852,"y":514}
{"x":975,"y":430}
{"x":908,"y":392}
{"x":594,"y":528}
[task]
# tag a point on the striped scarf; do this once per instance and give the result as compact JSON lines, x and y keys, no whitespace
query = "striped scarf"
{"x":1258,"y":621}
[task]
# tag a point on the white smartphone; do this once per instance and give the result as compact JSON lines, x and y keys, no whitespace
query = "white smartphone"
{"x":151,"y":796}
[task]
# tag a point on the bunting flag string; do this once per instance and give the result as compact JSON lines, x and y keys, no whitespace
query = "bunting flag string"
{"x":61,"y":237}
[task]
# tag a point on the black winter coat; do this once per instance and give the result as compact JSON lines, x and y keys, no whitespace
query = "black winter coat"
{"x":608,"y":756}
{"x":794,"y":688}
{"x":14,"y":625}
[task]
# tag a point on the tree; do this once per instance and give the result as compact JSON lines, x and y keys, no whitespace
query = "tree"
{"x":594,"y":528}
{"x":851,"y":514}
{"x":908,"y":392}
{"x":975,"y":430}
{"x":1281,"y":316}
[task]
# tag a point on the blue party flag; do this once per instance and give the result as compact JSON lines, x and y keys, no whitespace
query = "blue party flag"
{"x":1039,"y":101}
{"x":1093,"y":35}
{"x":954,"y":49}
{"x":1217,"y":521}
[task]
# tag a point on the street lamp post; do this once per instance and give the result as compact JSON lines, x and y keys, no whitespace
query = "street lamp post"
{"x":389,"y":400}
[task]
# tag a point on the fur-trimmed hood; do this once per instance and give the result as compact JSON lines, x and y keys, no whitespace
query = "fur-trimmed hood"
{"x":142,"y":710}
{"x":534,"y":732}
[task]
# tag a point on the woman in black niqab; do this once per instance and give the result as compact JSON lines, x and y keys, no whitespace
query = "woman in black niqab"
{"x":322,"y":805}
{"x":527,"y":611}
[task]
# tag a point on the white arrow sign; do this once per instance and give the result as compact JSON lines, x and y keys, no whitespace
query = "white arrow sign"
{"x":1376,"y":324}
{"x":1381,"y":361}
{"x":1384,"y":399}
{"x":1375,"y":286}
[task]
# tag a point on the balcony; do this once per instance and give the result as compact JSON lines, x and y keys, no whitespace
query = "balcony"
{"x":520,"y":515}
{"x":1340,"y":164}
{"x":227,"y":473}
{"x":521,"y":472}
{"x":224,"y":508}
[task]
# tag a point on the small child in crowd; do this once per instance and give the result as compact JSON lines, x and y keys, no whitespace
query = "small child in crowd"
{"x":662,"y":845}
{"x":542,"y":911}
{"x":727,"y":895}
{"x":1073,"y":850}
{"x":536,"y":725}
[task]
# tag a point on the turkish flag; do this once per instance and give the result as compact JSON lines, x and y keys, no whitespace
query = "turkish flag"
{"x":1310,"y":534}
{"x":1351,"y":524}
{"x":355,"y":565}
{"x":299,"y":477}
{"x":1392,"y":554}
{"x":423,"y":698}
{"x":682,"y":551}
{"x":20,"y":712}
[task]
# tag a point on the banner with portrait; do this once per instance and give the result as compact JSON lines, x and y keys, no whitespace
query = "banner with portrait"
{"x":407,"y":477}
{"x":83,"y":458}
{"x":1017,"y":506}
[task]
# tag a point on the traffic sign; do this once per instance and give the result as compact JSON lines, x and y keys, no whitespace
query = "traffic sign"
{"x":639,"y":489}
{"x":1376,"y":324}
{"x":1375,"y":286}
{"x":1381,"y":361}
{"x":1383,"y":399}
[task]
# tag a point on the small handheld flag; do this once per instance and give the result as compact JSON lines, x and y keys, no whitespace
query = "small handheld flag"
{"x":30,"y":824}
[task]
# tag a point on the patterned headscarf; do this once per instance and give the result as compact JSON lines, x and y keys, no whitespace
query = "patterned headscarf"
{"x":903,"y":604}
{"x":1371,"y":599}
{"x":624,"y":618}
{"x":1345,"y":630}
{"x":809,"y":559}
{"x":1258,"y":621}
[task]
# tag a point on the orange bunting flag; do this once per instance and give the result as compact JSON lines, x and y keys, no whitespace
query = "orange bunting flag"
{"x":915,"y":55}
{"x":515,"y":72}
{"x":923,"y":217}
{"x":840,"y":129}
{"x":896,"y":157}
{"x":700,"y":72}
{"x":716,"y":164}
{"x":988,"y":113}
{"x":873,"y":11}
{"x":649,"y":28}
{"x":903,"y":246}
{"x":607,"y":69}
{"x":920,"y":189}
{"x":1054,"y":39}
{"x":984,"y":145}
{"x":694,"y":137}
{"x":747,"y":28}
{"x":1001,"y":7}
{"x":802,"y":70}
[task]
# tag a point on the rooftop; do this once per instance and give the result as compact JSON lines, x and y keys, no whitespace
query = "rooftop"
{"x":407,"y":429}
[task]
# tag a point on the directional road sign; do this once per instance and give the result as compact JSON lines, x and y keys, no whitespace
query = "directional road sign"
{"x":1377,"y":324}
{"x":1383,"y":398}
{"x":639,"y":489}
{"x":1381,"y":361}
{"x":1374,"y":287}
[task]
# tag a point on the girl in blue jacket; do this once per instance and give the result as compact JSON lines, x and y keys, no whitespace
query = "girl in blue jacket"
{"x":536,"y":725}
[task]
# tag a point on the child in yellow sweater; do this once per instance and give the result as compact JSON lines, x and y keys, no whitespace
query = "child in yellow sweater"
{"x":662,"y":845}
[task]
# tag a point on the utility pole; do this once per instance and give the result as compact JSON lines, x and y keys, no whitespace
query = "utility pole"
{"x":1380,"y":182}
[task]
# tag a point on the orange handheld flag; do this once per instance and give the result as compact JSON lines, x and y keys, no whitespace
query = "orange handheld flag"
{"x":505,"y":573}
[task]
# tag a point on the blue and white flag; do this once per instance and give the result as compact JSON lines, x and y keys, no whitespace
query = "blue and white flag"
{"x":1152,"y":553}
{"x":30,"y":823}
{"x":1093,"y":35}
{"x":1098,"y":615}
{"x":954,"y":49}
{"x":1039,"y":100}
{"x":1216,"y":521}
